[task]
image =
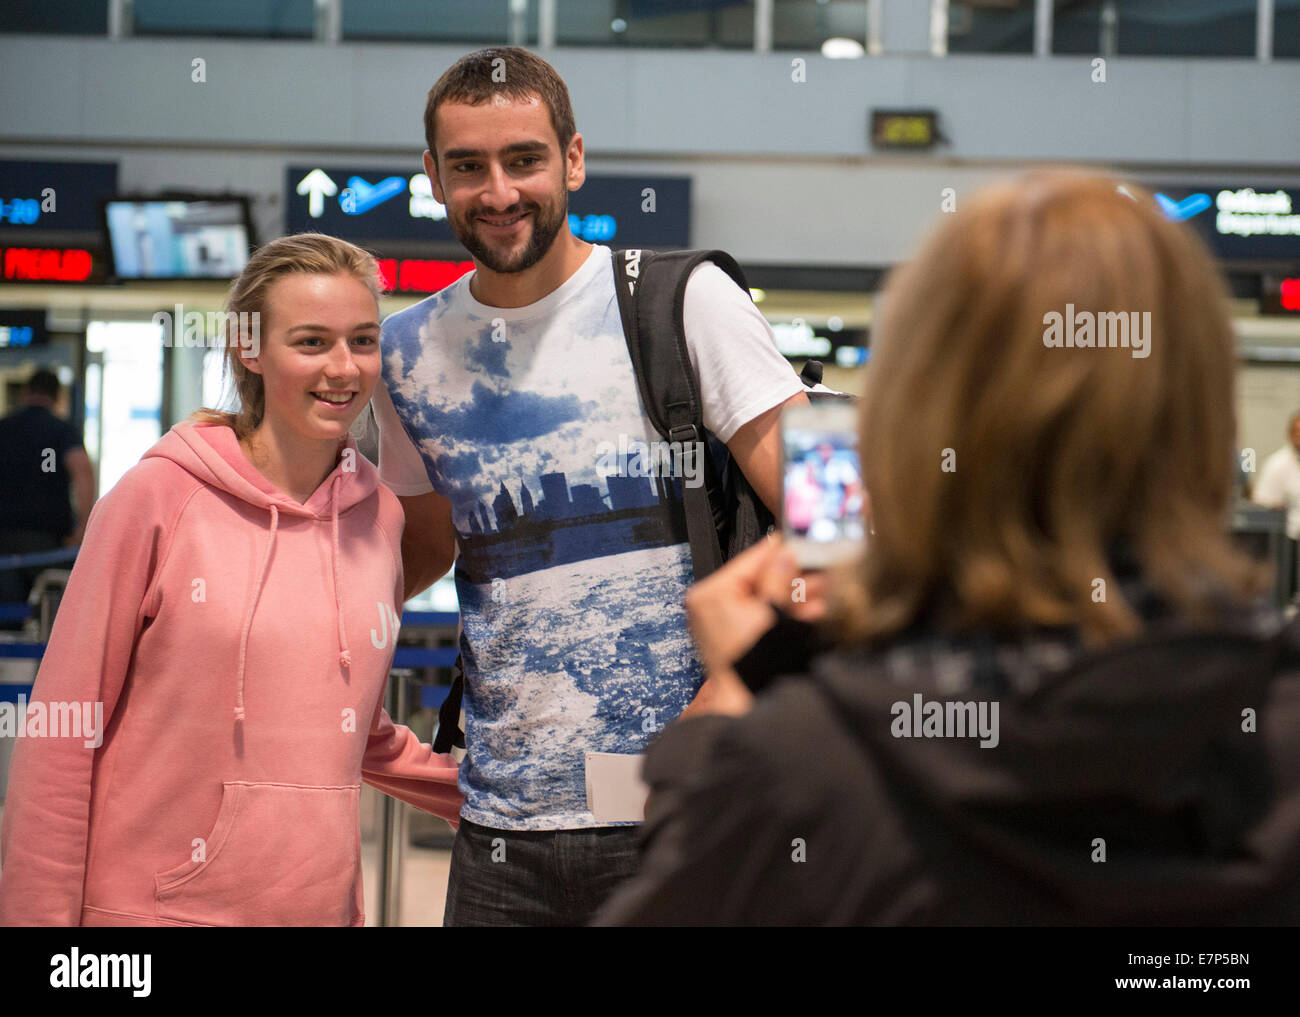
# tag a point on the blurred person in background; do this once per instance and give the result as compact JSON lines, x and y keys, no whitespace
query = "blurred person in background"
{"x":42,"y":461}
{"x":1278,"y":486}
{"x":231,"y":619}
{"x":1051,"y":694}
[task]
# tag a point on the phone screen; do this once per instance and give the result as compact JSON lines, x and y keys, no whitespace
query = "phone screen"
{"x":823,"y":495}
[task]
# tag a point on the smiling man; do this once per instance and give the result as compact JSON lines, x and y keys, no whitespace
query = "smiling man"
{"x":502,"y":393}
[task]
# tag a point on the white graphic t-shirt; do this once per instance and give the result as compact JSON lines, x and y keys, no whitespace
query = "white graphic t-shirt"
{"x":572,"y":555}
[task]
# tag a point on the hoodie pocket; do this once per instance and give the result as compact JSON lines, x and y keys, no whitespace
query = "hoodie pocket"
{"x":278,"y":854}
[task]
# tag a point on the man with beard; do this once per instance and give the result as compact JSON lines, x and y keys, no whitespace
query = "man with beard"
{"x":504,"y":394}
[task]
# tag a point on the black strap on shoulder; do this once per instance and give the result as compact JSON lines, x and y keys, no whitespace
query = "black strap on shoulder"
{"x":651,"y":291}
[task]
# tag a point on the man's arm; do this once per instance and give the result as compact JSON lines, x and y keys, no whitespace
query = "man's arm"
{"x":428,"y":541}
{"x":756,"y":447}
{"x":82,"y":477}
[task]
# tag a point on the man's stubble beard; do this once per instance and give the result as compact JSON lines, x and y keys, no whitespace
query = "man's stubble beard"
{"x":542,"y":235}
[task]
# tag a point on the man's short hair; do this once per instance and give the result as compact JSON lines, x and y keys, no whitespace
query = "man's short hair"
{"x":502,"y":70}
{"x":44,"y":382}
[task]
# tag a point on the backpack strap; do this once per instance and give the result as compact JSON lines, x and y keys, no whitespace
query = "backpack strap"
{"x":651,"y":291}
{"x":449,"y":732}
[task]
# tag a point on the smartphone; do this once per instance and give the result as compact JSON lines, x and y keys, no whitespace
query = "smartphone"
{"x":822,"y":495}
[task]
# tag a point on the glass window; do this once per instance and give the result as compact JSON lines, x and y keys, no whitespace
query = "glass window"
{"x":806,"y":24}
{"x":294,"y":19}
{"x":660,"y":23}
{"x":486,"y":22}
{"x":1155,"y":27}
{"x":56,"y":17}
{"x":1286,"y":29}
{"x":123,"y":396}
{"x":991,"y":26}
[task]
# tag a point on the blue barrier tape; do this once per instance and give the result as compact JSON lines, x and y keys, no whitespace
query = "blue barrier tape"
{"x":406,"y":656}
{"x":447,"y":619}
{"x":418,"y":656}
{"x":428,"y":619}
{"x":26,"y":651}
{"x":22,"y":561}
{"x":431,"y":696}
{"x":10,"y":693}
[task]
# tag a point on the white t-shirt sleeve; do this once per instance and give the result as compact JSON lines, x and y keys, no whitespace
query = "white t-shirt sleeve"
{"x":401,"y":466}
{"x":733,"y":351}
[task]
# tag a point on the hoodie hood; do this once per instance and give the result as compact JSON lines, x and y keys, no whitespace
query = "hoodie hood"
{"x":211,"y":453}
{"x":1126,"y":783}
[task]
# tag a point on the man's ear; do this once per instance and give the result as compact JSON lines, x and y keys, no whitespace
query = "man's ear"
{"x":431,"y":171}
{"x":575,"y":166}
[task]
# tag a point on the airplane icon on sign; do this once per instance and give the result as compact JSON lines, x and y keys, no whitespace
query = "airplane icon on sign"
{"x":360,"y":196}
{"x":1178,"y":211}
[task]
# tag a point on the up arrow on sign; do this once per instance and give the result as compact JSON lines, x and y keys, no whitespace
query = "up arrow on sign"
{"x":317,"y":184}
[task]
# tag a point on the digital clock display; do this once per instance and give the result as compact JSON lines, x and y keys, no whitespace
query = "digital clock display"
{"x":910,"y":129}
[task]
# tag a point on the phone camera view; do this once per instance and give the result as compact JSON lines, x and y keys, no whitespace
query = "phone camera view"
{"x":823,"y":490}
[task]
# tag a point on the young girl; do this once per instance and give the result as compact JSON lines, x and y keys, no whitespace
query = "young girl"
{"x":234,"y":609}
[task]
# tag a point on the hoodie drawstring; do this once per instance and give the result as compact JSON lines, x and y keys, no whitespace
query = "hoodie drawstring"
{"x":345,"y":656}
{"x":248,"y":620}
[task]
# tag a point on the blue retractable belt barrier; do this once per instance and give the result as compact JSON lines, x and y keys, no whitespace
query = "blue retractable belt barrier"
{"x":24,"y":561}
{"x":10,"y":693}
{"x":22,"y":650}
{"x":419,"y":656}
{"x":406,"y":656}
{"x":431,"y":696}
{"x":446,"y":619}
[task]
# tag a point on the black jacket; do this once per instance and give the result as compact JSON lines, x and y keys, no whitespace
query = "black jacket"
{"x":814,"y":809}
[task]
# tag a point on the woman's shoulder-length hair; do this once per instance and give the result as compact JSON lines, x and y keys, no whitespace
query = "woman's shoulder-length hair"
{"x":1052,"y":377}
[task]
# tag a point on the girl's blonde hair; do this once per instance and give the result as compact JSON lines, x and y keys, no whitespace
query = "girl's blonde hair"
{"x":302,"y":253}
{"x":1004,"y":472}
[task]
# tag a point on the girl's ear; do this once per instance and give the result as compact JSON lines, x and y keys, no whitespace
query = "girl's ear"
{"x":252,"y":360}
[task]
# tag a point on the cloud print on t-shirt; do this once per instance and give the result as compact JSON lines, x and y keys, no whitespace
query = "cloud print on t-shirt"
{"x":452,"y":466}
{"x":483,"y":413}
{"x":488,"y":355}
{"x":501,"y":417}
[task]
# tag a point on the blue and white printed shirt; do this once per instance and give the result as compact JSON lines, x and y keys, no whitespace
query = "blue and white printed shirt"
{"x":573,"y":557}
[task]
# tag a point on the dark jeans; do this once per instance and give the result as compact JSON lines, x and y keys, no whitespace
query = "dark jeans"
{"x":538,"y":877}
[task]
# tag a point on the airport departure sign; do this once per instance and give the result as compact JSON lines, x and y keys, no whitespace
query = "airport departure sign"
{"x":385,"y":204}
{"x":1239,"y":222}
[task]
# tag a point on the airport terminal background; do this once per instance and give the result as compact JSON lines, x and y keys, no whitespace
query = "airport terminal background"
{"x":814,"y":141}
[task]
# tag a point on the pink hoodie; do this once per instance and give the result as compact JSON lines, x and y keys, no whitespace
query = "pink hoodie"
{"x":240,"y":644}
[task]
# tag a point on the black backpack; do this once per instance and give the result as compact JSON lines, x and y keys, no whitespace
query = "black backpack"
{"x":724,"y":515}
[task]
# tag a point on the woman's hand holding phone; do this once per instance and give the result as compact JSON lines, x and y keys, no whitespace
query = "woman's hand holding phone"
{"x":731,"y":609}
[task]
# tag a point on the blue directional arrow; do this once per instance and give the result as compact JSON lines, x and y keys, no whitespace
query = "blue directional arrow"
{"x":360,"y":196}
